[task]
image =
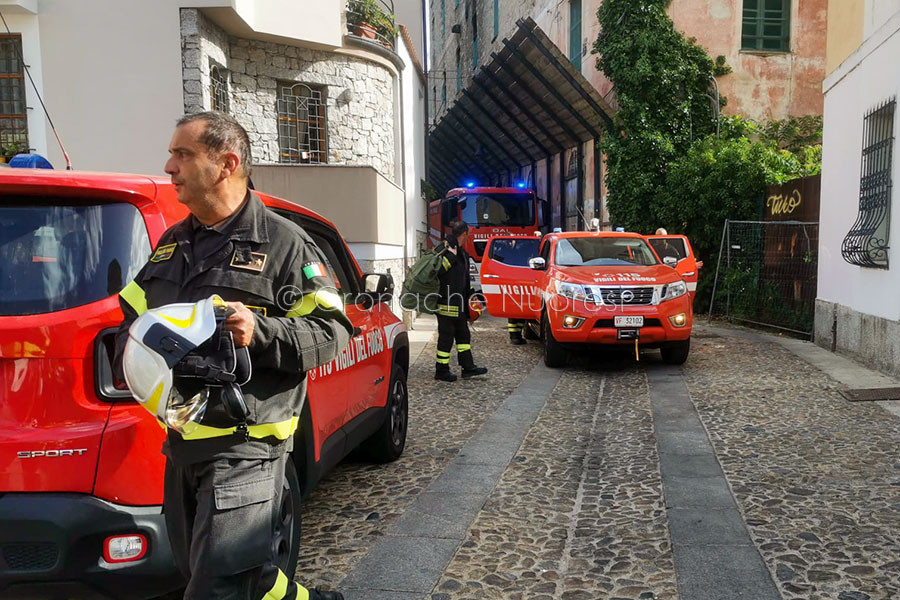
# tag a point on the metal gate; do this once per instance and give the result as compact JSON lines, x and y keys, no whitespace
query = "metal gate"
{"x":766,"y":274}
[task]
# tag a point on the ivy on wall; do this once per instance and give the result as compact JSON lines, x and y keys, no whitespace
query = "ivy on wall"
{"x":662,"y":83}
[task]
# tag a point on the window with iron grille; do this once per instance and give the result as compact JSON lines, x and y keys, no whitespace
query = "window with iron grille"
{"x":301,"y":124}
{"x":767,"y":25}
{"x":218,"y":88}
{"x":13,"y":117}
{"x":867,"y":243}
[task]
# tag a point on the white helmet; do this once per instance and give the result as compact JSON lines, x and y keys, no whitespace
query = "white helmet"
{"x":157,"y":340}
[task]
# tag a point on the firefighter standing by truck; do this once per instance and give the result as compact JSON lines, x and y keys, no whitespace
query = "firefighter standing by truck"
{"x":223,"y":484}
{"x":453,"y":308}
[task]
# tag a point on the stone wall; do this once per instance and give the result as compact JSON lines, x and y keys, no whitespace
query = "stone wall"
{"x":359,"y":95}
{"x":872,"y":340}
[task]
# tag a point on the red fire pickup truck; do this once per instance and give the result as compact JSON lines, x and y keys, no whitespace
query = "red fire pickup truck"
{"x":592,"y":288}
{"x":81,"y":474}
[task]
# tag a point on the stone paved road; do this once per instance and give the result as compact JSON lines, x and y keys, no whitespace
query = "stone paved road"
{"x":580,"y":514}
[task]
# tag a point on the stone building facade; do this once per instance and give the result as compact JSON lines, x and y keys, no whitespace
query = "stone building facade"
{"x":358,"y":94}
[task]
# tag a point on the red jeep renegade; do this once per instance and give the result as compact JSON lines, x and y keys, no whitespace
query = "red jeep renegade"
{"x":81,"y":473}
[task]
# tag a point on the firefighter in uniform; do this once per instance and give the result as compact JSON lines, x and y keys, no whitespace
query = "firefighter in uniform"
{"x":223,"y":483}
{"x":453,"y":308}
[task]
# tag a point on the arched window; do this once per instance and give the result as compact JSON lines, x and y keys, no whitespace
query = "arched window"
{"x":218,"y":88}
{"x":301,"y":124}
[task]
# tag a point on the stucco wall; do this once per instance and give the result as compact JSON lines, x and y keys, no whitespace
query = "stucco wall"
{"x":853,"y":90}
{"x":845,"y":30}
{"x":115,"y":102}
{"x":763,"y":86}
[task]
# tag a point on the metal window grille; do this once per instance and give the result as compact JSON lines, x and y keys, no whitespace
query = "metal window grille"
{"x":867,"y":242}
{"x":13,"y":117}
{"x":301,"y":124}
{"x":766,"y":25}
{"x":218,"y":89}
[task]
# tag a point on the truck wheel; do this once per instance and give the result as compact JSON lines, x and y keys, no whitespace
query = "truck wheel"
{"x":286,"y":541}
{"x":528,"y":333}
{"x":677,"y":353}
{"x":386,"y":445}
{"x":554,"y":353}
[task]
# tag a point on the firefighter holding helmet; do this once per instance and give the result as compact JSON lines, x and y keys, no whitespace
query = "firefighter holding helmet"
{"x":254,"y":289}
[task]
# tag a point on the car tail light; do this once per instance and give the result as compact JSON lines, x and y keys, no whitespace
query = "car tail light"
{"x":107,"y":386}
{"x":124,"y":548}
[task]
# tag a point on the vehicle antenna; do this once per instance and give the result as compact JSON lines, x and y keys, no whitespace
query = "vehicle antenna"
{"x":43,"y":106}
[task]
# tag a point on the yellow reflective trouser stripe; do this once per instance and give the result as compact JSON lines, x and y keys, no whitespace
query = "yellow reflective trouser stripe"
{"x":463,"y":347}
{"x":448,"y":311}
{"x":135,"y":297}
{"x":279,"y":590}
{"x":442,"y":361}
{"x":319,"y":298}
{"x":514,"y":327}
{"x":282,"y":430}
{"x":443,"y":354}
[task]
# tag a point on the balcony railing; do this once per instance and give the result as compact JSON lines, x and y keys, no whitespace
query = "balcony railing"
{"x":374,"y":20}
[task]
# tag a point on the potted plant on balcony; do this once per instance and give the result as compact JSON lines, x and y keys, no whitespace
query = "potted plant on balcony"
{"x":370,"y":21}
{"x":363,"y":15}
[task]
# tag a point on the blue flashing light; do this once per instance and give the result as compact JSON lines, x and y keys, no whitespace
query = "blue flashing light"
{"x":520,"y":185}
{"x":470,"y":184}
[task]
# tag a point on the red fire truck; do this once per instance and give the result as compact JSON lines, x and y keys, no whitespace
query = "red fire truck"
{"x":489,"y":212}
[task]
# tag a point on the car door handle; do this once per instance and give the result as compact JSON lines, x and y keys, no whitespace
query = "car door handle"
{"x":491,"y":277}
{"x":690,"y":274}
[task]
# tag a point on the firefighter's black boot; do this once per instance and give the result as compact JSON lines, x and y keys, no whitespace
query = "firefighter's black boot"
{"x":473,"y":372}
{"x":318,"y":594}
{"x":517,"y":341}
{"x":444,"y":375}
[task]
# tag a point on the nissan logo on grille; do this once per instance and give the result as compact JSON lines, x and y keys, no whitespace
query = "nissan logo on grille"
{"x":634,"y":295}
{"x":50,"y":453}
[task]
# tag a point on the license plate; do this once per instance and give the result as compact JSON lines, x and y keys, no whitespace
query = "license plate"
{"x":629,"y":321}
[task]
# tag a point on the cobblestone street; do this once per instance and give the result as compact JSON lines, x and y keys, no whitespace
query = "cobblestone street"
{"x":580,"y":508}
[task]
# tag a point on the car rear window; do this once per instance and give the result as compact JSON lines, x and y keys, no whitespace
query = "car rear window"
{"x":514,"y":253}
{"x":55,"y":256}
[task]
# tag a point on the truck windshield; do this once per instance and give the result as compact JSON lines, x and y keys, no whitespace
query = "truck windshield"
{"x":603,"y":252}
{"x":55,"y":256}
{"x":497,"y":210}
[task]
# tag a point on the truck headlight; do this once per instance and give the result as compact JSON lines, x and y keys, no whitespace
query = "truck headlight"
{"x":673,"y":290}
{"x":570,"y":290}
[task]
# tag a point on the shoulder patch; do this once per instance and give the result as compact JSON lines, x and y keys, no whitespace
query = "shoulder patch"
{"x":163,"y":253}
{"x":314,"y":269}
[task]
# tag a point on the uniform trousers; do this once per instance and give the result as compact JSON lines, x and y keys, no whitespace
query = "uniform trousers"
{"x":221,"y":517}
{"x":515,"y":327}
{"x":450,"y":330}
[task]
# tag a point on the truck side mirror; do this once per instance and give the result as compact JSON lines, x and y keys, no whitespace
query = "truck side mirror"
{"x":670,"y":261}
{"x":537,"y":263}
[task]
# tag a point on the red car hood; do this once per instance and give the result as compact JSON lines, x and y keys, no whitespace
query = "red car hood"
{"x":618,"y":275}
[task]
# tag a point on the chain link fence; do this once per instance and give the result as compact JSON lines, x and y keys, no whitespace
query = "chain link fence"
{"x":766,"y":274}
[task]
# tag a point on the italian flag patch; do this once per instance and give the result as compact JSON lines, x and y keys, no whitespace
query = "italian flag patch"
{"x":314,"y":270}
